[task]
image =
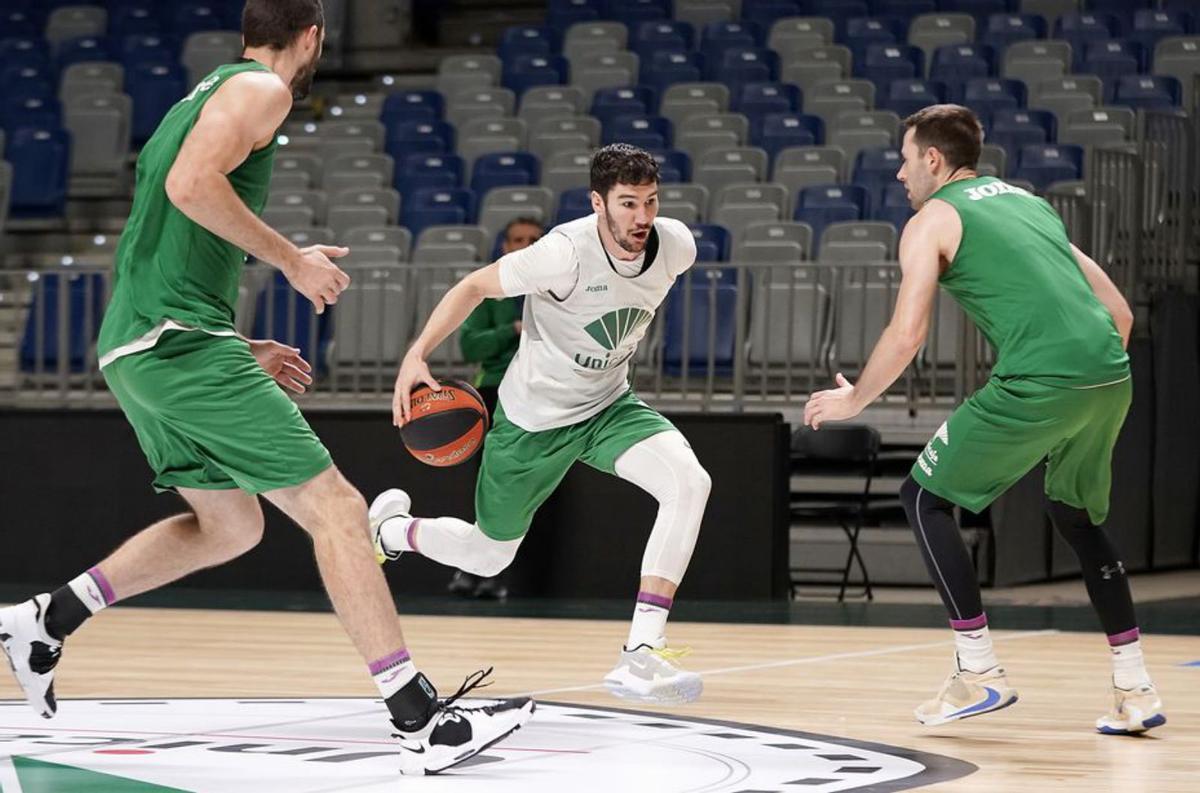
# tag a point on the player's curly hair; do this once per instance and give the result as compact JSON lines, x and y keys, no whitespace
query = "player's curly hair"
{"x":276,"y":23}
{"x":621,"y":163}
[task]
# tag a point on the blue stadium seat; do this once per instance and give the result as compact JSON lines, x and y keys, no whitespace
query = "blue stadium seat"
{"x":1014,"y":128}
{"x":417,"y":171}
{"x":526,"y":71}
{"x":1111,"y":59}
{"x":1146,"y":91}
{"x":83,"y":303}
{"x":502,"y":169}
{"x":35,"y":111}
{"x":764,"y":13}
{"x":1004,"y":29}
{"x":673,"y":165}
{"x":693,"y":303}
{"x":717,"y":37}
{"x":821,"y":205}
{"x":573,"y":204}
{"x":905,"y":9}
{"x":87,"y":48}
{"x":1151,"y":26}
{"x":633,"y":12}
{"x":985,"y":95}
{"x":561,"y":14}
{"x":980,"y":9}
{"x":755,"y":100}
{"x":412,"y":106}
{"x":647,"y":132}
{"x":905,"y":97}
{"x":745,"y":65}
{"x":840,"y":11}
{"x":1043,"y":164}
{"x":41,"y":160}
{"x":419,"y":137}
{"x":706,"y":251}
{"x":18,"y":22}
{"x":21,"y":82}
{"x":1082,"y":28}
{"x":609,"y":103}
{"x":664,"y":69}
{"x":777,"y":131}
{"x":956,"y":63}
{"x":154,"y":88}
{"x":875,"y":169}
{"x":894,"y":207}
{"x":715,"y":235}
{"x":192,"y":17}
{"x":882,"y":63}
{"x":662,"y":36}
{"x":525,"y":40}
{"x":438,"y":207}
{"x":150,"y":48}
{"x":864,"y":31}
{"x":289,"y":319}
{"x":24,"y":51}
{"x":128,"y":19}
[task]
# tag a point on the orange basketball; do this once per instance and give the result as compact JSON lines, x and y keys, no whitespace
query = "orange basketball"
{"x":445,"y":427}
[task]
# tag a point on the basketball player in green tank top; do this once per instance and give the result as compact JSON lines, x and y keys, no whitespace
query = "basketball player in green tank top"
{"x":208,"y":406}
{"x":1059,"y":391}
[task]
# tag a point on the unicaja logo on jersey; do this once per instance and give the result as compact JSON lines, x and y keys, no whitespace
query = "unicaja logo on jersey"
{"x":610,"y":332}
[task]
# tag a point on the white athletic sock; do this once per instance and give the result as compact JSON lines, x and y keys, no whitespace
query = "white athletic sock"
{"x":649,"y":624}
{"x":1129,"y":667}
{"x":395,"y":534}
{"x":93,"y":590}
{"x":392,"y":672}
{"x":974,"y":647}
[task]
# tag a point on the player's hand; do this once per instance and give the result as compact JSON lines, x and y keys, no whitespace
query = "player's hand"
{"x":837,"y":404}
{"x":413,"y":370}
{"x":316,"y":277}
{"x":283,"y":363}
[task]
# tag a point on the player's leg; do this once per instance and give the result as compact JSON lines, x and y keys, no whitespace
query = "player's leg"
{"x":519,"y":471}
{"x":637,"y":444}
{"x":1078,"y":481}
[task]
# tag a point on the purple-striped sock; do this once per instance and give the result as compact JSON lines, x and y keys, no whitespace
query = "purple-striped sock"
{"x":1124,"y":637}
{"x":973,"y":624}
{"x":392,"y":672}
{"x":649,"y":624}
{"x":973,"y":644}
{"x":93,"y":590}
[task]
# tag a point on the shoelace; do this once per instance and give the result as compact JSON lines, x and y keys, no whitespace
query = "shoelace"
{"x":472,"y":682}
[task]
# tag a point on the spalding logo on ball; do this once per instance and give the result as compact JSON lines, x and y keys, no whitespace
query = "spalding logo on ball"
{"x":445,"y":427}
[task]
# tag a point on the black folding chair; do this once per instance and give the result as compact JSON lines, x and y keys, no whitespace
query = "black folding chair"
{"x":836,"y":450}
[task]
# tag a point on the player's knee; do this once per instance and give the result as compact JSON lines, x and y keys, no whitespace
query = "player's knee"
{"x":489,"y":557}
{"x":234,"y":533}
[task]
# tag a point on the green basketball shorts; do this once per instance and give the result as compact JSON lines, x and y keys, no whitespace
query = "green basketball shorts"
{"x":521,"y":469}
{"x":208,"y":417}
{"x":1009,"y":426}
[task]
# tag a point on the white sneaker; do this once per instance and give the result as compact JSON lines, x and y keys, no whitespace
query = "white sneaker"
{"x":32,"y":652}
{"x":394,"y":503}
{"x":966,"y":694}
{"x":647,"y":674}
{"x":1133,"y":711}
{"x":458,"y":732}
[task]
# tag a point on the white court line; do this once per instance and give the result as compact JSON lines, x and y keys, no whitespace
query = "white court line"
{"x":812,"y":659}
{"x":8,"y":776}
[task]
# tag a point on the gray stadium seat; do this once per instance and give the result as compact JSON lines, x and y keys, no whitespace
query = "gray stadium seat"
{"x":780,"y":231}
{"x":90,"y":78}
{"x":372,"y":322}
{"x":1064,"y":95}
{"x":791,"y":33}
{"x":832,"y":98}
{"x":870,"y":240}
{"x":854,"y":131}
{"x":384,"y":197}
{"x":476,"y":103}
{"x":798,"y":167}
{"x":456,"y":72}
{"x":551,"y":101}
{"x":930,"y":31}
{"x":343,"y":219}
{"x":684,"y":202}
{"x":1037,"y":60}
{"x":864,"y":296}
{"x":566,"y":170}
{"x":474,"y":239}
{"x":553,"y":135}
{"x":587,"y":38}
{"x":789,"y":308}
{"x":699,"y":13}
{"x":315,"y":201}
{"x":502,"y":204}
{"x":6,"y":180}
{"x":993,"y":160}
{"x":810,"y":66}
{"x":717,"y":168}
{"x":1097,"y":127}
{"x":206,"y":50}
{"x":336,"y":133}
{"x":309,"y":164}
{"x":73,"y":22}
{"x":357,"y":106}
{"x":736,"y":206}
{"x":1050,"y":10}
{"x":453,"y":253}
{"x":698,"y":134}
{"x":1179,"y":57}
{"x":303,"y":236}
{"x":376,"y":168}
{"x":289,"y":180}
{"x":100,"y":129}
{"x":285,"y":217}
{"x":593,"y":71}
{"x":396,"y":237}
{"x":488,"y":135}
{"x":684,"y":100}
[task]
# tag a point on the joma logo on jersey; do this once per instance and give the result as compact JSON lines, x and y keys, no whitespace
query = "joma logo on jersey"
{"x":992,"y":190}
{"x":597,"y":288}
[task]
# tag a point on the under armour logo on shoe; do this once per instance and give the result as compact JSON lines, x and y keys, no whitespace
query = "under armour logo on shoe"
{"x":1109,"y":572}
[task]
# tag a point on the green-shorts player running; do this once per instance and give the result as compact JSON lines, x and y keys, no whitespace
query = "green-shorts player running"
{"x":591,"y":288}
{"x":207,"y":406}
{"x":1059,"y":392}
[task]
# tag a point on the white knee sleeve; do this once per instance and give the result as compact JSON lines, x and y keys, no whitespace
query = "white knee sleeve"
{"x":463,"y":545}
{"x":665,"y":466}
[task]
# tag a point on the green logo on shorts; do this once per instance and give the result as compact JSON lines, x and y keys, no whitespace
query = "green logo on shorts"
{"x":615,"y":326}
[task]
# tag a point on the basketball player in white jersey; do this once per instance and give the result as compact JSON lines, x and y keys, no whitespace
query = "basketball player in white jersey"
{"x":591,"y":288}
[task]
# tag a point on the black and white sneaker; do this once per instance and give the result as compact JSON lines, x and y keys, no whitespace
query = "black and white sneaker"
{"x":32,"y":652}
{"x":455,"y":731}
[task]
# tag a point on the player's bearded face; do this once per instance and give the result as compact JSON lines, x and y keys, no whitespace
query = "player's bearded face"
{"x":629,"y":213}
{"x":915,"y":173}
{"x":303,"y":80}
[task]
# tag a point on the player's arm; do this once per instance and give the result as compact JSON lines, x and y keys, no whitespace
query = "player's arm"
{"x":920,"y":253}
{"x":242,"y":116}
{"x":1107,"y":293}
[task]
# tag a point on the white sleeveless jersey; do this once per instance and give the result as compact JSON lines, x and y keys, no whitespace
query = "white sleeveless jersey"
{"x":584,"y":316}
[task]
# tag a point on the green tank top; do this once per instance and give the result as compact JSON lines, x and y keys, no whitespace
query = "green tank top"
{"x":167,"y":266}
{"x":1015,"y":275}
